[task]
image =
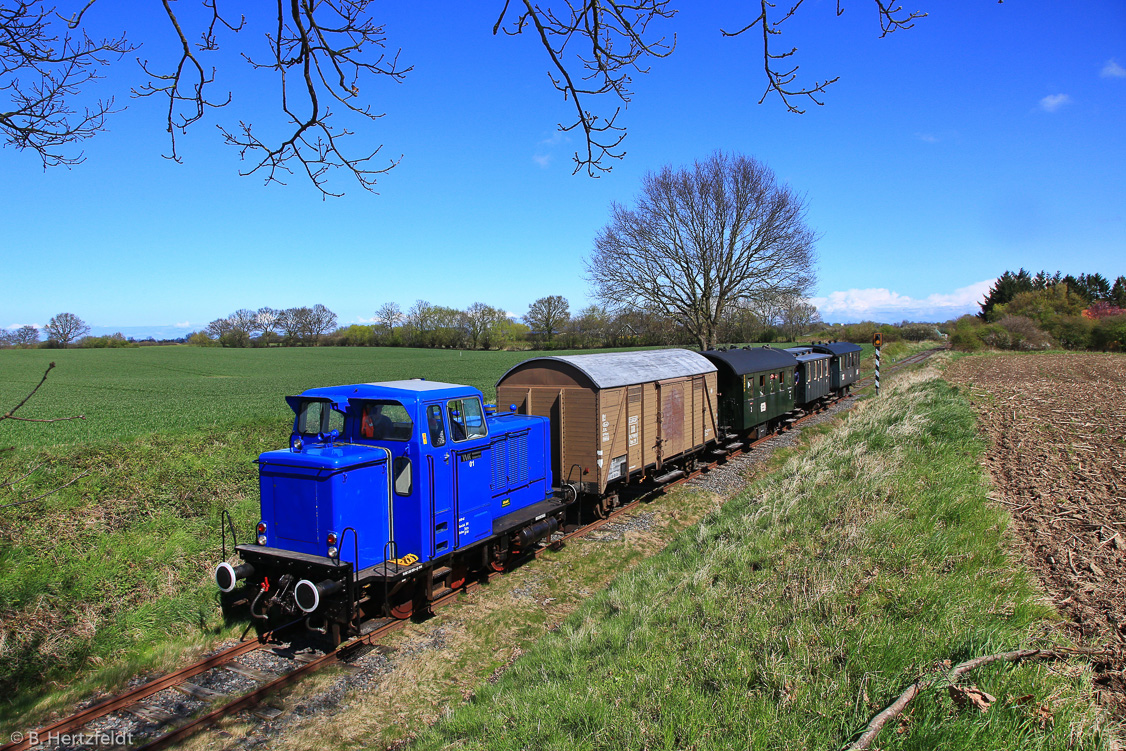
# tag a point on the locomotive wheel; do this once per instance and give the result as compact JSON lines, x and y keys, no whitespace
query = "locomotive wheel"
{"x":457,"y":577}
{"x":403,"y":610}
{"x":497,"y":566}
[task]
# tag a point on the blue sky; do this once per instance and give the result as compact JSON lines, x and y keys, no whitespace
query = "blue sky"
{"x":988,"y":137}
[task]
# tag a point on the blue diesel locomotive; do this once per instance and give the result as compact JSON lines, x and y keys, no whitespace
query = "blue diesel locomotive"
{"x":388,"y":494}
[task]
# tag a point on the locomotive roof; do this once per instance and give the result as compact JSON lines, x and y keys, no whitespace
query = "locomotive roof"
{"x":751,"y":359}
{"x":410,"y":390}
{"x":611,"y":369}
{"x":835,"y":348}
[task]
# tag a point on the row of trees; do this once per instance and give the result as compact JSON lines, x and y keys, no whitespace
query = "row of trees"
{"x":1090,"y":288}
{"x":61,"y":330}
{"x":547,"y":324}
{"x":266,"y":326}
{"x":1025,"y":311}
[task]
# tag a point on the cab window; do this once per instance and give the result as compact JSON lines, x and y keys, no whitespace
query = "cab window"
{"x":435,"y":426}
{"x":466,"y":419}
{"x":318,"y":417}
{"x":384,"y":420}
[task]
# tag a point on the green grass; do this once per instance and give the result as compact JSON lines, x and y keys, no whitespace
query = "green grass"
{"x":125,"y":393}
{"x":803,"y":607}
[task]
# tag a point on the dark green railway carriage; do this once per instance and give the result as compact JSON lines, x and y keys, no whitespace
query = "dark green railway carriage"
{"x":813,"y":376}
{"x":844,"y":367}
{"x":756,"y":385}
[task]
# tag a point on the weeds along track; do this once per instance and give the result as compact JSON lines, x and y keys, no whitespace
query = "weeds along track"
{"x":207,"y":700}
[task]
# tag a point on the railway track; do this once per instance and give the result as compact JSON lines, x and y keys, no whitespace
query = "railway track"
{"x":227,"y":659}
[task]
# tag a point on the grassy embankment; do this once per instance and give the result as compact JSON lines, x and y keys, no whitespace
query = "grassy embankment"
{"x":791,"y":616}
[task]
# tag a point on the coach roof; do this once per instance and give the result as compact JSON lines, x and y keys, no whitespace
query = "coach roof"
{"x":835,"y":348}
{"x":611,"y":369}
{"x":751,"y":359}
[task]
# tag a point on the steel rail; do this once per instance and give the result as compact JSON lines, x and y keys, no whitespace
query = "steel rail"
{"x":134,"y":695}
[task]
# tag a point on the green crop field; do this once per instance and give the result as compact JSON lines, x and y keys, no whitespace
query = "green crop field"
{"x":125,"y":393}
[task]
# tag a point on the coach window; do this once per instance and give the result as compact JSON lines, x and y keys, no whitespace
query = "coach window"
{"x":762,"y":385}
{"x":466,"y":419}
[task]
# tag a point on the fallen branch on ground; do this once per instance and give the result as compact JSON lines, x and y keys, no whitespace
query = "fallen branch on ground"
{"x":896,"y":707}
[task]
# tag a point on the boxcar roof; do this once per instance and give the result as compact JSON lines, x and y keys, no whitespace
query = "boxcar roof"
{"x":836,"y":348}
{"x":612,"y":369}
{"x":751,"y":360}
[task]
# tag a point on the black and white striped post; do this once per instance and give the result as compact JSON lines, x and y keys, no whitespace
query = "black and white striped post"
{"x":877,"y":342}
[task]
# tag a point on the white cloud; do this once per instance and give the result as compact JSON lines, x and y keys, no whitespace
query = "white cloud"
{"x":927,"y":137}
{"x":15,"y":326}
{"x":543,"y":160}
{"x":1053,"y":102}
{"x":1113,"y":70}
{"x":182,"y":325}
{"x":888,"y":306}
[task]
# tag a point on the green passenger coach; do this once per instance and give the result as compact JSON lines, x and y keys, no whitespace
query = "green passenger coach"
{"x":756,"y":387}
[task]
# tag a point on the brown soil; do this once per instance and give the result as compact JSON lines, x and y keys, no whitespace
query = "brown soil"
{"x":1057,"y":423}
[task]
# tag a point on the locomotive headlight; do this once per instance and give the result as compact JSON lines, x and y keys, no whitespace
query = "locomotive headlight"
{"x":331,"y":542}
{"x":261,"y":533}
{"x":332,"y":552}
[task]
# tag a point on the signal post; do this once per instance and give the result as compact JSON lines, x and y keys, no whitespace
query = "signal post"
{"x":877,"y":342}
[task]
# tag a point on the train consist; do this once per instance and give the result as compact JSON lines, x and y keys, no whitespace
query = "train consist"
{"x":391,"y":495}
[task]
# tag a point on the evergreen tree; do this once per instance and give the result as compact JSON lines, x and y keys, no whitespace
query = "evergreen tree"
{"x":1007,"y":286}
{"x":1118,"y":292}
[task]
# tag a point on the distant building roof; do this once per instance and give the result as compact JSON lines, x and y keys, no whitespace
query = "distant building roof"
{"x":612,"y":369}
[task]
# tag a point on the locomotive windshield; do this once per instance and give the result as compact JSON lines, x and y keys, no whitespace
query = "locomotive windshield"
{"x":466,"y":419}
{"x":318,"y":417}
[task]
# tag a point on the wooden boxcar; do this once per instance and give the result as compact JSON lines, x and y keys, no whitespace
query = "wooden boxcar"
{"x":616,"y":415}
{"x":844,"y":365}
{"x":756,"y":386}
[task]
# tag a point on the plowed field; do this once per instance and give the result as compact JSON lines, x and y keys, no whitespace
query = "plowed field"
{"x":1057,"y":423}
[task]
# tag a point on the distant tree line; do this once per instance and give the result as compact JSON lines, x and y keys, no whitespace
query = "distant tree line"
{"x":1038,"y":311}
{"x":548,"y":324}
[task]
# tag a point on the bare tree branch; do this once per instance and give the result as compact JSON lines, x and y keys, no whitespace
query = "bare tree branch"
{"x":781,"y":79}
{"x":40,"y":74}
{"x":611,"y":42}
{"x":48,"y":493}
{"x":323,"y":42}
{"x":10,"y":414}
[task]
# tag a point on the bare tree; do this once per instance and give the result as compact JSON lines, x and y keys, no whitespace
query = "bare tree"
{"x":700,"y":238}
{"x":25,"y":336}
{"x":324,"y":53}
{"x":547,"y":315}
{"x":321,"y":321}
{"x":266,"y":321}
{"x":388,"y":315}
{"x":799,"y":316}
{"x":66,"y":328}
{"x":482,"y":322}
